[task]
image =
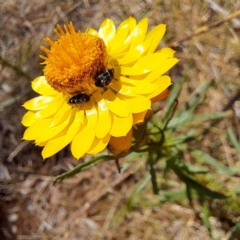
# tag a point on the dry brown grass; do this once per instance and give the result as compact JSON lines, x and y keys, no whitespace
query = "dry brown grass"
{"x":92,"y":204}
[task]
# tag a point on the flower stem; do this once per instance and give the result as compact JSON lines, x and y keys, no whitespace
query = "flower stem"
{"x":86,"y":165}
{"x":153,"y":175}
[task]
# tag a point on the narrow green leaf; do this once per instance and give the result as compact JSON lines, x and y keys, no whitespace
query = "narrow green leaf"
{"x":171,"y":196}
{"x":174,"y":94}
{"x":197,"y":98}
{"x":175,"y":141}
{"x":211,"y":116}
{"x":204,"y":157}
{"x":138,"y":188}
{"x":180,"y":120}
{"x":234,"y":141}
{"x":198,"y":186}
{"x":196,"y":169}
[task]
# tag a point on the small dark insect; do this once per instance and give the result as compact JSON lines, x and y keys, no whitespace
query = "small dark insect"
{"x":103,"y":79}
{"x":80,"y":98}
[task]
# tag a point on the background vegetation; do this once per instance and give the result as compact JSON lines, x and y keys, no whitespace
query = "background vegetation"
{"x":198,"y":180}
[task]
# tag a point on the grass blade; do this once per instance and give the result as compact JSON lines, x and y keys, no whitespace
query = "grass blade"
{"x":234,"y":141}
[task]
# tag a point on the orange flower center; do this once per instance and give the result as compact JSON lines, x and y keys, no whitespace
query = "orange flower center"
{"x":74,"y":60}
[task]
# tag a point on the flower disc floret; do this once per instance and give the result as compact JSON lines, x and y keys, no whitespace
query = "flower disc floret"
{"x":74,"y":60}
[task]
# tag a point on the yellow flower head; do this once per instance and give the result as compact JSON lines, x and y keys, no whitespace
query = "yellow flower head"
{"x":96,"y":86}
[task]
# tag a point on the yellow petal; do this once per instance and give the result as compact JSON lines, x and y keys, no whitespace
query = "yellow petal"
{"x":159,"y":31}
{"x":99,"y":144}
{"x":138,"y":104}
{"x":92,"y":116}
{"x":42,"y":144}
{"x":131,"y":23}
{"x":156,"y":34}
{"x":168,"y":65}
{"x":160,"y":96}
{"x":116,"y":105}
{"x":139,"y":117}
{"x":104,"y":123}
{"x":53,"y":146}
{"x":134,"y":53}
{"x":132,"y":82}
{"x":144,"y":88}
{"x":38,"y":103}
{"x":41,"y":86}
{"x":163,"y":85}
{"x":162,"y":81}
{"x":82,"y":142}
{"x":104,"y":118}
{"x":92,"y":32}
{"x":36,"y":129}
{"x":127,"y":91}
{"x":138,"y":34}
{"x":75,"y":127}
{"x":132,"y":71}
{"x":107,"y":30}
{"x":152,"y":61}
{"x":120,"y":43}
{"x":121,"y":126}
{"x":120,"y":144}
{"x":50,"y":110}
{"x":62,"y":113}
{"x":167,"y":51}
{"x":29,"y":118}
{"x":120,"y":37}
{"x":53,"y":131}
{"x":151,"y":77}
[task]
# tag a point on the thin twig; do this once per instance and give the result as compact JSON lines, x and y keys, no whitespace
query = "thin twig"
{"x":17,"y":150}
{"x":217,"y":8}
{"x":204,"y":29}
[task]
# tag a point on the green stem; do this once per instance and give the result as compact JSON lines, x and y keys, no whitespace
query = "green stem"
{"x":86,"y":165}
{"x":153,"y":175}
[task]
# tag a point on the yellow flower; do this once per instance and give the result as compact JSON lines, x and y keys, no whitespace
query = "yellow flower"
{"x":96,"y":86}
